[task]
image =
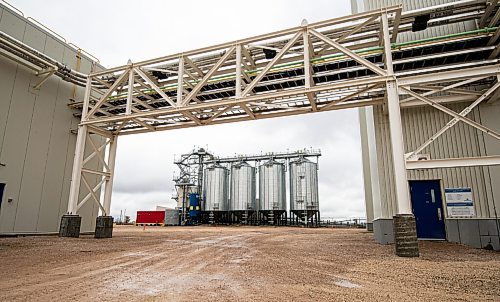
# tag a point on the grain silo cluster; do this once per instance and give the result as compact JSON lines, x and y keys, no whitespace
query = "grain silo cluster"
{"x":251,"y":189}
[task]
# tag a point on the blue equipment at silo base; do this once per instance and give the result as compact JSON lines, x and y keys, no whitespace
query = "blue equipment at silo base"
{"x":194,"y":209}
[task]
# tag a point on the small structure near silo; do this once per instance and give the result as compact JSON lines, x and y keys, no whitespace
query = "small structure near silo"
{"x":150,"y":218}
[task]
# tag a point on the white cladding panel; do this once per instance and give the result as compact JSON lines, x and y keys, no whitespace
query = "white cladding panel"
{"x":36,"y":143}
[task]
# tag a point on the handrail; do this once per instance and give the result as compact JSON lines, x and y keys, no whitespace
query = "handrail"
{"x":38,"y":23}
{"x":13,"y":7}
{"x":33,"y":20}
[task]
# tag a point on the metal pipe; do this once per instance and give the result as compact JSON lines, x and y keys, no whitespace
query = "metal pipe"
{"x":43,"y":61}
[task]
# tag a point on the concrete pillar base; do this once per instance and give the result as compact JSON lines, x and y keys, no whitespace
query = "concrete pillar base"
{"x":405,"y":235}
{"x":104,"y":227}
{"x":70,"y":226}
{"x":369,"y":226}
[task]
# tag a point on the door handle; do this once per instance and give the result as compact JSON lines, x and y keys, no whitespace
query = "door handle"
{"x":439,"y":214}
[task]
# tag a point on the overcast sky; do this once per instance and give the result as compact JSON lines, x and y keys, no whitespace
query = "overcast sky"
{"x":115,"y":31}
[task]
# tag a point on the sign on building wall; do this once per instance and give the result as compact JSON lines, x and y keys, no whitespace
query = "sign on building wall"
{"x":459,"y":202}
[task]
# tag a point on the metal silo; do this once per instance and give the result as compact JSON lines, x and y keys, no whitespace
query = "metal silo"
{"x":215,"y":188}
{"x":304,"y":203}
{"x":243,"y":190}
{"x":272,"y":192}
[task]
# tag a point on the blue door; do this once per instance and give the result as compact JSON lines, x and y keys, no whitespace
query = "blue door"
{"x":428,"y":209}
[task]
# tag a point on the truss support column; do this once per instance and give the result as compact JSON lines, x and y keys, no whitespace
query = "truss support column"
{"x":180,"y":81}
{"x":108,"y":187}
{"x":238,"y":71}
{"x":405,"y":235}
{"x":104,"y":223}
{"x":71,"y":221}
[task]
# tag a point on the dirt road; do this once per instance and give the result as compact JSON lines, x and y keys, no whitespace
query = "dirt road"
{"x":240,"y":264}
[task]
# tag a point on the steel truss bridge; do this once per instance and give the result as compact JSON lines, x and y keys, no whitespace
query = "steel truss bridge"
{"x":347,"y":62}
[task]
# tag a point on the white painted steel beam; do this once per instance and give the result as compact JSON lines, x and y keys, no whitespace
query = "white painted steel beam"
{"x":180,"y":81}
{"x":130,"y":91}
{"x":350,"y":53}
{"x":153,"y":85}
{"x":455,"y":120}
{"x":395,"y":128}
{"x":258,"y":97}
{"x":92,"y":193}
{"x":108,"y":187}
{"x":453,"y":162}
{"x":255,"y":39}
{"x":208,"y":75}
{"x":450,"y":75}
{"x":269,"y":65}
{"x":104,"y":97}
{"x":460,"y":117}
{"x":238,"y":71}
{"x":79,"y":154}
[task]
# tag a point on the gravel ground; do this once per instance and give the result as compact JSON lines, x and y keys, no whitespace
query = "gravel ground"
{"x":241,"y":264}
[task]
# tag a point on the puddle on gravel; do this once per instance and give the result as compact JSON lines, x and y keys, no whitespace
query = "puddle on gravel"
{"x":168,"y":282}
{"x":137,"y":254}
{"x":346,"y":283}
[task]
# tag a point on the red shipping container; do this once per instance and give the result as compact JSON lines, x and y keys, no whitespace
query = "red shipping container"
{"x":151,"y":217}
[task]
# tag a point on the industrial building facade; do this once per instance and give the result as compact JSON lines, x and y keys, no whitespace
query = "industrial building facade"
{"x":480,"y":227}
{"x":37,"y":132}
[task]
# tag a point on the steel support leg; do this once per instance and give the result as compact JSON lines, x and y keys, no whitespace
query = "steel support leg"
{"x":70,"y":222}
{"x":108,"y":189}
{"x":104,"y":223}
{"x":405,"y":236}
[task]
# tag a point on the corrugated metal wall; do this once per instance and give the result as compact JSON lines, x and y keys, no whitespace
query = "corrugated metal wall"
{"x":417,"y":4}
{"x":36,"y":144}
{"x":460,"y":141}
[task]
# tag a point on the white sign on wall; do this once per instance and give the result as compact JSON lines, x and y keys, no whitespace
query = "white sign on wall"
{"x":459,"y":202}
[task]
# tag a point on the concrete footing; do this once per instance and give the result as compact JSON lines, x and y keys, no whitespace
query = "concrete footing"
{"x":383,"y":230}
{"x":104,"y":227}
{"x":405,"y":235}
{"x":369,"y":226}
{"x":70,"y":226}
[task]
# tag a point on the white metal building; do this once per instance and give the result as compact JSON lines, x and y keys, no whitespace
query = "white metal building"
{"x":480,"y":226}
{"x":37,"y":132}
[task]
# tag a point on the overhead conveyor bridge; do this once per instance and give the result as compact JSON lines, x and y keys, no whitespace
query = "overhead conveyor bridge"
{"x":343,"y":57}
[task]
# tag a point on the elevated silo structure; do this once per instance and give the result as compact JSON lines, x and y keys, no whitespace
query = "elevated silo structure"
{"x":304,"y":202}
{"x":216,"y":194}
{"x":243,"y":205}
{"x":272,"y":190}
